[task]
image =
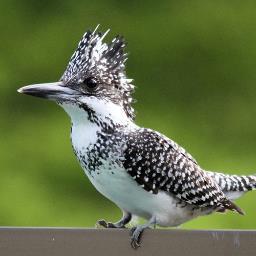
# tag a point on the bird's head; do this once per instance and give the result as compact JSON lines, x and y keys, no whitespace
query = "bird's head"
{"x":94,"y":80}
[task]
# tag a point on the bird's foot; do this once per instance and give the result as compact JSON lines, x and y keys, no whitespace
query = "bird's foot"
{"x":104,"y":224}
{"x":137,"y":231}
{"x":120,"y":224}
{"x":136,"y":235}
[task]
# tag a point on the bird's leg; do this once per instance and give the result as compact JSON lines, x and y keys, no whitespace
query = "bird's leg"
{"x":120,"y":224}
{"x":136,"y":232}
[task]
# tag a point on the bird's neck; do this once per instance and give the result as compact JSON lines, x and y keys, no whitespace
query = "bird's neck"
{"x":89,"y":125}
{"x":108,"y":116}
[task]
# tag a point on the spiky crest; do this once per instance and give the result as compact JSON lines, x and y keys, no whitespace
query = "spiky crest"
{"x":105,"y":62}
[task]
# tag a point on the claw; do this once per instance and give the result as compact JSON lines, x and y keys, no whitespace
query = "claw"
{"x":102,"y":223}
{"x":105,"y":224}
{"x":135,"y":245}
{"x":135,"y":234}
{"x":120,"y":224}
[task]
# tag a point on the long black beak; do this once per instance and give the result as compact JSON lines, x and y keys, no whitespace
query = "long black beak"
{"x":53,"y":91}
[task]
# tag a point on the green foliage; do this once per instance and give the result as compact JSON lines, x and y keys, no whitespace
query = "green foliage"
{"x":194,"y":67}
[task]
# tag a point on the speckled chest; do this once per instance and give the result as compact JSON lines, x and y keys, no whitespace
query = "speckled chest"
{"x":96,"y":149}
{"x":101,"y":155}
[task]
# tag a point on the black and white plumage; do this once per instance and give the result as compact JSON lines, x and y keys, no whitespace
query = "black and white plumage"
{"x":142,"y":171}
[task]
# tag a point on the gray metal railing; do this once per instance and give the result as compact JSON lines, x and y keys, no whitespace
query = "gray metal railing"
{"x":91,"y":242}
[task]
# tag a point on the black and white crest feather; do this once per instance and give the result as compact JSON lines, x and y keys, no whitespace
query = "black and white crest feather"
{"x":105,"y":62}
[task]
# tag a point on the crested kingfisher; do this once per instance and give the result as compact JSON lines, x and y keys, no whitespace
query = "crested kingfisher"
{"x":142,"y":171}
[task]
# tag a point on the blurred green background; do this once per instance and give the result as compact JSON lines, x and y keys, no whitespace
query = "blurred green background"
{"x":194,"y":67}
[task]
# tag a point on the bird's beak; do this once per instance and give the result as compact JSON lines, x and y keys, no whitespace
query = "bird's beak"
{"x":53,"y":91}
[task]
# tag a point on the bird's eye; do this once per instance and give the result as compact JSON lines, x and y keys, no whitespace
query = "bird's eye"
{"x":91,"y":82}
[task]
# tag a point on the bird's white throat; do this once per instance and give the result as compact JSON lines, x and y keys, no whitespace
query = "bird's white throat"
{"x":84,"y":129}
{"x":104,"y":110}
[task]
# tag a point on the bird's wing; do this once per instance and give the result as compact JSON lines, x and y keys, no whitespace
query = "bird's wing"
{"x":157,"y":163}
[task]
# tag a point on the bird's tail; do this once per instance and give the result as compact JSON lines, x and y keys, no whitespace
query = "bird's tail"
{"x":227,"y":204}
{"x":234,"y":186}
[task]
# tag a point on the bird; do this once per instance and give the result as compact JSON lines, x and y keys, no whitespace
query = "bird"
{"x":143,"y":172}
